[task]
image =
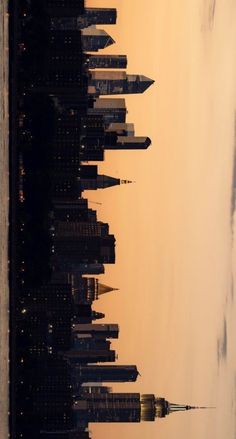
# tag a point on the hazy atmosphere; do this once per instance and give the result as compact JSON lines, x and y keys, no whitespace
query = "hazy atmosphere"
{"x":175,"y":260}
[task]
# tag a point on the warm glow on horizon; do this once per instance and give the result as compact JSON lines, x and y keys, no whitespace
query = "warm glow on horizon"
{"x":173,"y":225}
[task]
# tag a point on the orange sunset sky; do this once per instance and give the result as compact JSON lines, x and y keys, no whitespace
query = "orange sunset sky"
{"x":172,"y":226}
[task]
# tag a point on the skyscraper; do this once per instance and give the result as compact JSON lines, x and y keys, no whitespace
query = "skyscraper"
{"x":63,"y":229}
{"x":94,"y":39}
{"x":106,"y":61}
{"x":69,"y":252}
{"x":91,"y":16}
{"x":124,"y":407}
{"x":116,"y":82}
{"x":102,"y":374}
{"x":98,"y":16}
{"x":115,"y":141}
{"x":60,"y":8}
{"x":98,"y":330}
{"x":90,"y":356}
{"x":119,"y":129}
{"x":88,"y":289}
{"x":112,"y":110}
{"x":100,"y":182}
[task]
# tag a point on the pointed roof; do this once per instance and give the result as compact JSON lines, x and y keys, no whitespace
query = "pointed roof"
{"x":143,"y":82}
{"x":105,"y":181}
{"x":104,"y":38}
{"x":103,"y":289}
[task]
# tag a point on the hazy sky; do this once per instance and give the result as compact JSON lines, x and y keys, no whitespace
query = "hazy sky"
{"x":175,"y":306}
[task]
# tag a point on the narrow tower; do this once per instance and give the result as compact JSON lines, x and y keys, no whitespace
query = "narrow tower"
{"x":125,"y":407}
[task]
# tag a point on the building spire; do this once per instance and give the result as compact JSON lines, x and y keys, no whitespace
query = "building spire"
{"x":164,"y":408}
{"x":180,"y":407}
{"x":103,"y":289}
{"x":126,"y":181}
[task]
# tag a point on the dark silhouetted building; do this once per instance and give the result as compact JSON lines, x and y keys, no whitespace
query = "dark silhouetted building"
{"x":91,"y":16}
{"x":104,"y":82}
{"x":98,"y":331}
{"x":112,"y":110}
{"x":102,"y":373}
{"x":100,"y":182}
{"x":94,"y":39}
{"x":47,"y":312}
{"x":88,"y":289}
{"x":90,"y":356}
{"x":124,"y":407}
{"x":62,"y":8}
{"x":106,"y":61}
{"x":113,"y":140}
{"x":69,"y":252}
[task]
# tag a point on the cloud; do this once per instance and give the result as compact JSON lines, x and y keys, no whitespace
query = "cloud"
{"x":222,"y":343}
{"x":208,"y":15}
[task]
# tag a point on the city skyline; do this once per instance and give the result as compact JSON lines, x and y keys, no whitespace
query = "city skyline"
{"x":165,"y":242}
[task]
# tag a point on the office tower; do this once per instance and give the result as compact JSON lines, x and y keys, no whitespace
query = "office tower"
{"x":93,"y":268}
{"x":104,"y":82}
{"x":62,"y":8}
{"x":94,"y":39}
{"x":89,"y":344}
{"x":98,"y":16}
{"x":47,"y":312}
{"x":69,"y":252}
{"x":70,"y":184}
{"x":50,"y":395}
{"x":74,"y":210}
{"x":119,"y":129}
{"x":64,"y":229}
{"x":124,"y":407}
{"x":83,"y":313}
{"x":112,"y":110}
{"x":98,"y":330}
{"x":95,"y":388}
{"x":90,"y":356}
{"x":102,"y":374}
{"x":91,"y":16}
{"x":120,"y":142}
{"x":64,"y":187}
{"x":55,"y":78}
{"x":100,"y":182}
{"x":77,"y":138}
{"x":106,"y":61}
{"x":92,"y":137}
